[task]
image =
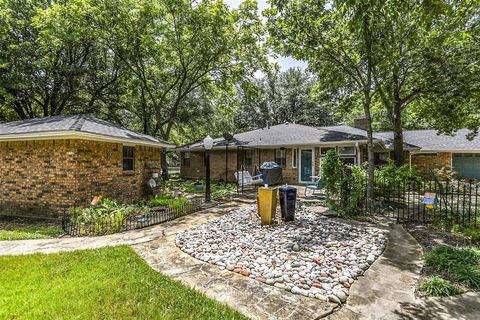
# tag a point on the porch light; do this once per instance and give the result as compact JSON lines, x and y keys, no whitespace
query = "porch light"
{"x":208,"y":143}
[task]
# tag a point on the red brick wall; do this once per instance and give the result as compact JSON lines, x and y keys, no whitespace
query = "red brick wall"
{"x":43,"y":177}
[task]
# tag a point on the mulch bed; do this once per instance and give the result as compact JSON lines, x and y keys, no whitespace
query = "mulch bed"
{"x":429,"y":237}
{"x":13,"y":223}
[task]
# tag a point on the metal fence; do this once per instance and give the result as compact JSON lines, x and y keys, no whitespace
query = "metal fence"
{"x":426,"y":201}
{"x":118,"y":222}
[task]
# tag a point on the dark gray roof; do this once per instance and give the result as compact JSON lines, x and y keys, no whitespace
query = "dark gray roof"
{"x":289,"y":134}
{"x":431,"y":140}
{"x":77,"y":123}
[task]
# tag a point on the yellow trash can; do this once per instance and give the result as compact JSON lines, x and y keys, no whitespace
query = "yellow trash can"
{"x":267,"y":204}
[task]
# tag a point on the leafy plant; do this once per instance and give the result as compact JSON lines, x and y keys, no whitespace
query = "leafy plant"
{"x":174,"y":203}
{"x":331,"y":174}
{"x":438,"y":287}
{"x":468,"y":275}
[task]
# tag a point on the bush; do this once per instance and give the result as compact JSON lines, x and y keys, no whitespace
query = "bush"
{"x":447,"y":258}
{"x":332,"y":175}
{"x":438,"y":287}
{"x":108,"y":214}
{"x":468,"y":275}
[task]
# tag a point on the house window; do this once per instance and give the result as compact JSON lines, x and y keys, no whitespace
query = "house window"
{"x":349,"y":161}
{"x":346,"y":150}
{"x":248,"y":157}
{"x":186,"y":159}
{"x":323,"y":151}
{"x":281,"y":157}
{"x":128,"y":158}
{"x":294,"y":157}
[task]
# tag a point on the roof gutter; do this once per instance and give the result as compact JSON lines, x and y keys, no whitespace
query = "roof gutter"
{"x":56,"y":135}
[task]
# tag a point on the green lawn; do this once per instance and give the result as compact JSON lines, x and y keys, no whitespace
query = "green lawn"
{"x":107,"y":283}
{"x":12,"y":232}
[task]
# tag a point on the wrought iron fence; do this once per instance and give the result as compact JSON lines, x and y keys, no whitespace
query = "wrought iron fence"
{"x":425,"y":201}
{"x":118,"y":222}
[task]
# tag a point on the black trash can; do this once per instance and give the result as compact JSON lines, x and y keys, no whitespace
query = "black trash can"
{"x":288,"y":199}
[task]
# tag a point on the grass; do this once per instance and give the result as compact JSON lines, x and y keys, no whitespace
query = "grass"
{"x":462,"y":264}
{"x":438,"y":287}
{"x":16,"y":229}
{"x":174,"y":203}
{"x":218,"y":190}
{"x":107,"y":283}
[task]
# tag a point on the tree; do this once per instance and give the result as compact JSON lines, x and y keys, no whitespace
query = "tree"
{"x":337,"y":41}
{"x":281,"y":97}
{"x":179,"y":49}
{"x":41,"y":77}
{"x":419,"y":60}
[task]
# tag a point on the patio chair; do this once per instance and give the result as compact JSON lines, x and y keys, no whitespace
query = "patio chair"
{"x":316,"y":185}
{"x":245,"y":179}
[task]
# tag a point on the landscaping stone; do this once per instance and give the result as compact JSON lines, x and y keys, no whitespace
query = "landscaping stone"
{"x":311,"y":256}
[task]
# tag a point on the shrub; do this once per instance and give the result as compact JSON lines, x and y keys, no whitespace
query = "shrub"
{"x":108,"y":216}
{"x":447,"y":258}
{"x":438,"y":287}
{"x":468,"y":275}
{"x":331,"y":174}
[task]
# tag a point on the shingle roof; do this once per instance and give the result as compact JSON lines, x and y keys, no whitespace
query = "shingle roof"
{"x":77,"y":123}
{"x":290,"y":134}
{"x":430,"y":140}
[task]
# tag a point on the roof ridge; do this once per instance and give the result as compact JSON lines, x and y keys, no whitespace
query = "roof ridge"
{"x":78,"y":124}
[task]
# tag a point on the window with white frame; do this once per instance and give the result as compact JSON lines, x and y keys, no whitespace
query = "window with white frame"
{"x":324,"y":150}
{"x":294,"y":157}
{"x":347,"y":151}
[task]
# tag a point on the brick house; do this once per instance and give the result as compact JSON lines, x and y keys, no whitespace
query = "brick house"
{"x":49,"y":164}
{"x":300,"y":149}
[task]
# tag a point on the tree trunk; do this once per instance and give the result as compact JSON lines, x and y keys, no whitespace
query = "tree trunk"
{"x":397,"y":135}
{"x":163,"y":161}
{"x":371,"y":156}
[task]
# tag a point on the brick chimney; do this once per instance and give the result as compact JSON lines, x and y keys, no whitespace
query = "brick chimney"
{"x":361,"y":123}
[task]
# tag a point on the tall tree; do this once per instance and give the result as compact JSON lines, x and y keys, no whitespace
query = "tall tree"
{"x":179,"y":49}
{"x":336,"y":39}
{"x":40,"y":77}
{"x":281,"y":97}
{"x":419,"y":52}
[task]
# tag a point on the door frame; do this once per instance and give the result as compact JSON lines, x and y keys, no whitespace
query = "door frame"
{"x":300,"y":163}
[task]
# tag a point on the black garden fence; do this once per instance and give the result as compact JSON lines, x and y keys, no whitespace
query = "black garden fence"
{"x":119,"y":222}
{"x":425,"y":201}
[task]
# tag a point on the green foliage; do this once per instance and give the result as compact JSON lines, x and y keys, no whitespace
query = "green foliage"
{"x":461,"y":263}
{"x":174,"y":203}
{"x":108,"y":216}
{"x":438,"y":287}
{"x":217,"y":190}
{"x":29,"y":232}
{"x":331,"y":174}
{"x":108,"y":283}
{"x":281,"y":97}
{"x":391,"y":175}
{"x":468,"y":275}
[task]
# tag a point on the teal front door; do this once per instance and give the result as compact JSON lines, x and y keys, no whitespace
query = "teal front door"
{"x":467,"y":164}
{"x":306,"y":165}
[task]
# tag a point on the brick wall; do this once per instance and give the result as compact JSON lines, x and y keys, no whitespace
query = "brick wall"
{"x":432,"y":160}
{"x":217,"y":164}
{"x":41,"y":178}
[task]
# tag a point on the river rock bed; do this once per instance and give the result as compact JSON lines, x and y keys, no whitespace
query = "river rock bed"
{"x":313,"y":256}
